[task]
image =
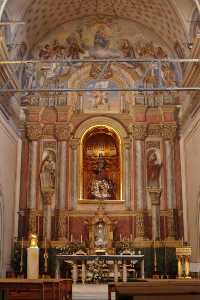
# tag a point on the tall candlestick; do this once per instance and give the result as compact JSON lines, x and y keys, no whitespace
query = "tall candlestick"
{"x":71,"y":238}
{"x":81,"y":238}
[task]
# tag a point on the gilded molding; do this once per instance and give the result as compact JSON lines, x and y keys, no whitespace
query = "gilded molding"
{"x":139,"y":131}
{"x":34,"y":132}
{"x":140,"y":225}
{"x":62,"y":132}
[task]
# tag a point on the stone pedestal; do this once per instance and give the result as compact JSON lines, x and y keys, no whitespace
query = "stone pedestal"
{"x":155,"y":194}
{"x":32,"y":263}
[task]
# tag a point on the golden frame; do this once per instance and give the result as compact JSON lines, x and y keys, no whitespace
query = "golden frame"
{"x":121,"y":147}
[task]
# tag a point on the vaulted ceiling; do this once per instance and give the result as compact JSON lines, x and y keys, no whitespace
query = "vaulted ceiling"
{"x":42,"y":16}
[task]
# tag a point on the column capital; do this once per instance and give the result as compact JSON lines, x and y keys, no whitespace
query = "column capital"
{"x":169,"y":131}
{"x":139,"y":131}
{"x":62,"y":132}
{"x":34,"y":131}
{"x":155,"y":194}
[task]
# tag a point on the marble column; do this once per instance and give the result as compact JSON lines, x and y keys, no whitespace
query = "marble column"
{"x":127,"y":145}
{"x":139,"y":135}
{"x":74,"y":145}
{"x":169,"y":133}
{"x":62,"y":135}
{"x":34,"y":133}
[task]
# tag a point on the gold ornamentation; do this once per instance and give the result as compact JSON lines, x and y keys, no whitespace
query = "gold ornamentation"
{"x":139,"y":131}
{"x":153,"y":144}
{"x":169,"y":131}
{"x":140,"y":225}
{"x":48,"y":131}
{"x":155,"y":130}
{"x":31,"y":220}
{"x":33,"y":240}
{"x":34,"y":132}
{"x":62,"y":132}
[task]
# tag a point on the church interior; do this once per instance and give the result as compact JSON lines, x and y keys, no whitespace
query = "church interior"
{"x":100,"y":142}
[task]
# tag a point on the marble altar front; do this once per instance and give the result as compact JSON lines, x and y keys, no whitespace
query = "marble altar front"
{"x":114,"y":261}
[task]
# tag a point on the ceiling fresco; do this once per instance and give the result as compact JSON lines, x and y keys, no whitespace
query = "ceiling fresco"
{"x":43,"y":16}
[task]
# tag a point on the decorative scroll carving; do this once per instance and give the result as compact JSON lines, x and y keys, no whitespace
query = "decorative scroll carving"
{"x":169,"y":131}
{"x":34,"y":132}
{"x":139,"y":131}
{"x":140,"y":225}
{"x":62,"y":132}
{"x":153,"y":144}
{"x":155,"y":130}
{"x":48,"y":131}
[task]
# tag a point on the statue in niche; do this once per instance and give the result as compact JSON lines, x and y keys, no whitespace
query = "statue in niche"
{"x":101,"y":186}
{"x":100,"y":235}
{"x":47,"y":174}
{"x":153,"y":170}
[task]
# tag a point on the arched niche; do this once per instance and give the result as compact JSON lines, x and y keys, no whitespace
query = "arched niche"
{"x":101,"y":164}
{"x":104,"y":126}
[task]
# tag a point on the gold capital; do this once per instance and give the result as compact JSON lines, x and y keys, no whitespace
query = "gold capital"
{"x":34,"y":131}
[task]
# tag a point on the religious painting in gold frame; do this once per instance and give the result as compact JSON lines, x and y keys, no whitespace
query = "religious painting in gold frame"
{"x":101,"y":165}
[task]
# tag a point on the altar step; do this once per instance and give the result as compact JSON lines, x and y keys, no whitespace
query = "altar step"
{"x":90,"y":292}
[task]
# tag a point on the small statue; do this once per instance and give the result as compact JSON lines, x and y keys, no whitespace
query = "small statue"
{"x":33,"y":240}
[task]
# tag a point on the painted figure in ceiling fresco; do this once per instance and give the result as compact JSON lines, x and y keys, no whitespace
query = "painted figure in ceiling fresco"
{"x":153,"y":169}
{"x":74,"y":47}
{"x":101,"y":39}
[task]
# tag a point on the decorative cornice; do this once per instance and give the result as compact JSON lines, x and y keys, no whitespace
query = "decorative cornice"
{"x":163,"y":130}
{"x":139,"y":131}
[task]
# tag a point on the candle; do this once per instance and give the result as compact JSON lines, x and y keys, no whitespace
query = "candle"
{"x":131,"y":237}
{"x":71,"y":238}
{"x":120,"y":237}
{"x":81,"y":238}
{"x":22,"y":242}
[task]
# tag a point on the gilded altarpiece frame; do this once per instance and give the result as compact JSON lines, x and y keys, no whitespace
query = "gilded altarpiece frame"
{"x":100,"y":165}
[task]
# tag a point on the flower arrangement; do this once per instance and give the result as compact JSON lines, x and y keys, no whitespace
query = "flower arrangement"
{"x":71,"y":248}
{"x":121,"y":246}
{"x":95,"y":271}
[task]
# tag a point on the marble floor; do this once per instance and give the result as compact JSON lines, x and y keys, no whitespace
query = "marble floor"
{"x":90,"y":292}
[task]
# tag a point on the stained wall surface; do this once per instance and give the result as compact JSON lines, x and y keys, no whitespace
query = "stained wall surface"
{"x":9,"y":184}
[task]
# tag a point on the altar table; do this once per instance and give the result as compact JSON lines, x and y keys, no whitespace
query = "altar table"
{"x":115,"y":259}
